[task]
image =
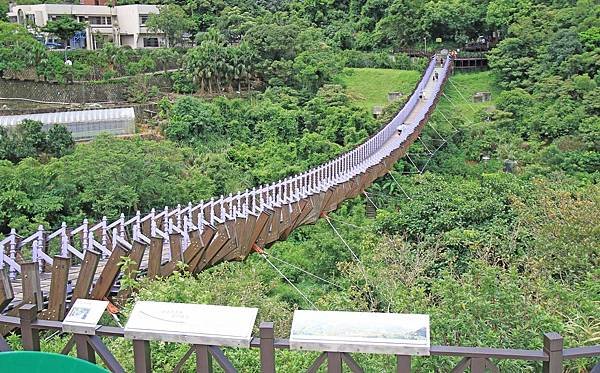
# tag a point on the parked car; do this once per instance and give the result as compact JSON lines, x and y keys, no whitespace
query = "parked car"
{"x":54,"y":45}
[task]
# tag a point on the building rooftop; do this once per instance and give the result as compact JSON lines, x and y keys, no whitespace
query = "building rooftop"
{"x":69,"y":117}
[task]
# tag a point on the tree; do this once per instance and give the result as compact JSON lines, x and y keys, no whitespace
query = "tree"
{"x":165,"y":57}
{"x":114,"y":56}
{"x":59,"y":141}
{"x":192,"y":119}
{"x":3,"y":10}
{"x":172,"y":20}
{"x":502,"y":13}
{"x":402,"y":24}
{"x":313,"y":68}
{"x":28,"y":139}
{"x":65,"y":28}
{"x":18,"y":49}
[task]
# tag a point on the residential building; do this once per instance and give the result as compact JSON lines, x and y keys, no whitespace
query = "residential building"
{"x":122,"y":25}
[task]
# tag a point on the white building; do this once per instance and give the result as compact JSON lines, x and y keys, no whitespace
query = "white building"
{"x":122,"y":25}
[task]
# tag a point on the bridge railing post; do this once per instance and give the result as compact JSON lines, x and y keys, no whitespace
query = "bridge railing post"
{"x":30,"y":338}
{"x":141,"y":356}
{"x":553,"y":347}
{"x":84,"y":349}
{"x":403,"y":363}
{"x":267,"y":348}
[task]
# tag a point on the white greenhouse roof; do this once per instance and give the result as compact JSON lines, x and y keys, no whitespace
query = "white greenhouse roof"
{"x":69,"y":117}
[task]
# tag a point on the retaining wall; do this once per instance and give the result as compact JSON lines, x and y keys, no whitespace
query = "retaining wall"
{"x":74,"y":93}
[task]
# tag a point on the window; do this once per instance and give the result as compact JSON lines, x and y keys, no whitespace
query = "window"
{"x":143,"y":19}
{"x":96,"y":20}
{"x":150,"y":42}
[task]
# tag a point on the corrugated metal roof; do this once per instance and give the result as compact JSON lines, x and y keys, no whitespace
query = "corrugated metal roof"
{"x":82,"y":116}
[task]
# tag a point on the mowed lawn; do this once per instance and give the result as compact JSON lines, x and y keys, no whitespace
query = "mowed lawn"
{"x":368,"y":87}
{"x":461,"y":88}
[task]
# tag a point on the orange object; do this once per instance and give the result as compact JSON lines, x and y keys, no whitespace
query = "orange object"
{"x":258,"y":249}
{"x":111,"y":308}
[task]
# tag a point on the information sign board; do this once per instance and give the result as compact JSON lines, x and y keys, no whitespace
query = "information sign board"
{"x":191,"y":323}
{"x":84,"y":315}
{"x":368,"y":332}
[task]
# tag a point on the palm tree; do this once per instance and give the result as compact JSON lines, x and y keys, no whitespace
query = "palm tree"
{"x":238,"y":67}
{"x":247,"y":56}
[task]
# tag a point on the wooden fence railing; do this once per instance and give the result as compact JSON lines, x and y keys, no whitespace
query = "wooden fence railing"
{"x":473,"y":359}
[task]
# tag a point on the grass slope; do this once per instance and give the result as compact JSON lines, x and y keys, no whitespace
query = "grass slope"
{"x":368,"y":87}
{"x":460,"y":90}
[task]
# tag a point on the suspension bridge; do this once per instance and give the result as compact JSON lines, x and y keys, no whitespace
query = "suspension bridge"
{"x":89,"y":258}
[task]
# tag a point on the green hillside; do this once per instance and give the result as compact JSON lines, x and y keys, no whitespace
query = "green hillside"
{"x":368,"y":87}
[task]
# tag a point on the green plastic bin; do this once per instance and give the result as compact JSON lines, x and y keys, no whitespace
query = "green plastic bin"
{"x":44,"y":362}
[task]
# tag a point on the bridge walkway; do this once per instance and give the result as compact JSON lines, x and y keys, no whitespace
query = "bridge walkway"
{"x":222,"y":229}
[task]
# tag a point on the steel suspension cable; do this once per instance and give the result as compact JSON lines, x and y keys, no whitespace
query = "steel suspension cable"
{"x":461,"y":95}
{"x":342,"y":239}
{"x":360,"y":264}
{"x":446,"y":118}
{"x":290,"y":282}
{"x":350,"y":224}
{"x":413,"y":163}
{"x":370,"y":200}
{"x":469,"y":121}
{"x":438,"y":148}
{"x":399,"y":186}
{"x":305,"y":271}
{"x":425,"y":146}
{"x":358,"y":227}
{"x":430,"y":123}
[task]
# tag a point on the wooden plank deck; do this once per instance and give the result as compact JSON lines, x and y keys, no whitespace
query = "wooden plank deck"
{"x":45,"y":277}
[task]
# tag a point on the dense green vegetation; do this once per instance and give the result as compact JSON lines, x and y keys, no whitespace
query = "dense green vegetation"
{"x":28,"y":140}
{"x":496,"y":258}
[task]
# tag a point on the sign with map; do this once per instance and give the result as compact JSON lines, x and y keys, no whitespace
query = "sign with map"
{"x":84,"y":315}
{"x":191,"y":323}
{"x":384,"y":333}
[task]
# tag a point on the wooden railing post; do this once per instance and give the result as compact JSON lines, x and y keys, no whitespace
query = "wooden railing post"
{"x":30,"y":337}
{"x":267,"y":348}
{"x":84,"y":350}
{"x":553,"y":346}
{"x":403,"y":363}
{"x":6,"y":290}
{"x":477,"y":365}
{"x":334,"y":362}
{"x":203,"y":359}
{"x":141,"y":356}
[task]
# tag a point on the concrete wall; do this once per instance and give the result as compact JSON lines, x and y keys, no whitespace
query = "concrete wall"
{"x":76,"y":92}
{"x":129,"y":17}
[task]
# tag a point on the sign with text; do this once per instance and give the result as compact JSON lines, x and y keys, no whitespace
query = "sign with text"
{"x":367,"y":332}
{"x":191,"y":323}
{"x":84,"y":315}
